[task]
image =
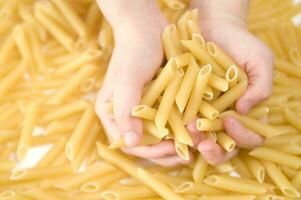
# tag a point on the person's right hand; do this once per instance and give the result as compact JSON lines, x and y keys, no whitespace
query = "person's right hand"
{"x":137,"y":55}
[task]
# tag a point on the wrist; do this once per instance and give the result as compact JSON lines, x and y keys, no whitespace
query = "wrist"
{"x":219,"y":11}
{"x":133,"y":13}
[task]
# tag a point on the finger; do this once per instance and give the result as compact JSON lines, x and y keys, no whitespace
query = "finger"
{"x":159,"y":150}
{"x":243,"y":137}
{"x":260,"y":72}
{"x":172,"y":160}
{"x":196,"y":135}
{"x":127,"y":94}
{"x":213,"y":153}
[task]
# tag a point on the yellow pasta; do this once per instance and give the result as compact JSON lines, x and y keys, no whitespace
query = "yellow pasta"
{"x":10,"y":80}
{"x":186,"y":86}
{"x":197,"y":93}
{"x":240,"y":185}
{"x":228,"y":98}
{"x":223,"y":59}
{"x":199,"y":169}
{"x":89,"y":56}
{"x":225,"y":141}
{"x":27,"y":129}
{"x":208,"y":110}
{"x":276,"y":156}
{"x":218,"y":83}
{"x":167,"y":100}
{"x":159,"y":84}
{"x":178,"y":127}
{"x":157,"y":185}
{"x":144,"y":112}
{"x":265,"y":130}
{"x":209,"y":125}
{"x":152,"y":129}
{"x":71,"y":16}
{"x":79,"y":133}
{"x":61,"y":35}
{"x":72,"y":84}
{"x":293,"y":118}
{"x":280,"y":180}
{"x":202,"y":55}
{"x":255,"y":168}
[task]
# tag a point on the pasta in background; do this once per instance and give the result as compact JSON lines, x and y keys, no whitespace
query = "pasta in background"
{"x":53,"y":58}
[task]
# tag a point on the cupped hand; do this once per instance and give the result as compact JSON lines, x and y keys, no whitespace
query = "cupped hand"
{"x":230,"y":33}
{"x":137,"y":55}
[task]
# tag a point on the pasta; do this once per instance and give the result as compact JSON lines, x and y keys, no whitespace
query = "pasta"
{"x":53,"y":59}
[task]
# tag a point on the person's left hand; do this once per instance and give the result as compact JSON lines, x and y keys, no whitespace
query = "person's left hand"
{"x":230,"y":33}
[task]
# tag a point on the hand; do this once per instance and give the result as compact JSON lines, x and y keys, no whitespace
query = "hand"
{"x":137,"y":55}
{"x":226,"y":27}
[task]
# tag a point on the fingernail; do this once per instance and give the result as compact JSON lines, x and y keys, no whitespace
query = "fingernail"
{"x":130,"y":138}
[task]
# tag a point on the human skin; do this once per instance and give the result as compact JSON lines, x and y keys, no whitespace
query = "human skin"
{"x":138,"y":53}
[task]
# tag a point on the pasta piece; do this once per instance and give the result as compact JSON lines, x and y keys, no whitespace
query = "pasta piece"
{"x":255,"y":168}
{"x":56,"y":149}
{"x":208,"y":111}
{"x":287,"y":68}
{"x":232,"y":76}
{"x":229,"y":197}
{"x":169,"y":37}
{"x":65,"y":111}
{"x":199,"y":169}
{"x":296,"y":180}
{"x":181,"y":25}
{"x":252,"y":124}
{"x":280,"y":180}
{"x":233,"y":184}
{"x":187,"y":85}
{"x":241,"y":167}
{"x":102,"y":182}
{"x":225,"y":141}
{"x":42,"y":194}
{"x":144,"y":112}
{"x":71,"y":16}
{"x":276,"y":156}
{"x":59,"y":34}
{"x":167,"y":100}
{"x":12,"y":78}
{"x":218,"y":83}
{"x":195,"y":47}
{"x":193,"y":27}
{"x":73,"y":84}
{"x":7,"y":48}
{"x":162,"y":189}
{"x":42,"y":172}
{"x":228,"y":98}
{"x":159,"y":84}
{"x":79,"y":133}
{"x":94,"y":172}
{"x":224,"y":60}
{"x":152,"y":129}
{"x":27,"y":129}
{"x":177,"y":126}
{"x":22,"y":42}
{"x":209,"y":125}
{"x":89,"y":56}
{"x":197,"y":93}
{"x":183,"y":59}
{"x":182,"y":150}
{"x":86,"y":147}
{"x":293,"y":118}
{"x":198,"y":189}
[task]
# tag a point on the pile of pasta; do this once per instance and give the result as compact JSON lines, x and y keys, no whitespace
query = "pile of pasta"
{"x":53,"y":57}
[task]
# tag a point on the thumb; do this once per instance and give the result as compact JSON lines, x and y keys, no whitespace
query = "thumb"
{"x":127,"y":94}
{"x":260,"y":84}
